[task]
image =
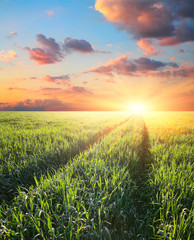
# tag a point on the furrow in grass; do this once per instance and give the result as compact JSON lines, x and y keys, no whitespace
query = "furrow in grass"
{"x":34,"y":154}
{"x":99,"y":195}
{"x":80,"y":202}
{"x":172,"y":175}
{"x":135,"y":183}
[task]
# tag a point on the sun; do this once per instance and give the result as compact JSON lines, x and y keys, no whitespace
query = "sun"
{"x":138,"y":108}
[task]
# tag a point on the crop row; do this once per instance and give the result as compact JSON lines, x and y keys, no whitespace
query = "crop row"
{"x":83,"y":200}
{"x":33,"y":143}
{"x":134,"y":183}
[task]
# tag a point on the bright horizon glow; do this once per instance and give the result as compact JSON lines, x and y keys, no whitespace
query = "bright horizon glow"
{"x":138,"y":108}
{"x":58,"y":56}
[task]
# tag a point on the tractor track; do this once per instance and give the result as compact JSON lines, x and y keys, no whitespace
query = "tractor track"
{"x":9,"y":194}
{"x":107,"y":131}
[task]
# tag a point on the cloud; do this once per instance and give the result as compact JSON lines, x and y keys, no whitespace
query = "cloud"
{"x":181,"y":51}
{"x":71,"y":90}
{"x":110,"y":80}
{"x":183,"y":33}
{"x":77,"y":89}
{"x":141,"y":18}
{"x":170,"y":21}
{"x":19,"y":89}
{"x":147,"y":45}
{"x":50,"y":12}
{"x":7,"y":56}
{"x":186,"y":8}
{"x":173,"y":58}
{"x":37,"y":105}
{"x":64,"y":79}
{"x":124,"y":66}
{"x":181,"y":72}
{"x":71,"y":44}
{"x":49,"y":51}
{"x":41,"y":56}
{"x":12,"y":34}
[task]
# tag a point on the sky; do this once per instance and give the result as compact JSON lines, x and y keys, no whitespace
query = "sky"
{"x":96,"y":55}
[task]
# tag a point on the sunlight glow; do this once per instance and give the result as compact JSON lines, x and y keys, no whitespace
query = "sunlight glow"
{"x":138,"y":108}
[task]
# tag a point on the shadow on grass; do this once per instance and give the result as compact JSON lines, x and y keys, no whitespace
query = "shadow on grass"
{"x":144,"y":152}
{"x":22,"y":176}
{"x":138,"y":212}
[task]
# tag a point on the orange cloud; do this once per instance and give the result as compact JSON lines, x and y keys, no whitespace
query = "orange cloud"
{"x":7,"y":56}
{"x":146,"y":45}
{"x":173,"y":58}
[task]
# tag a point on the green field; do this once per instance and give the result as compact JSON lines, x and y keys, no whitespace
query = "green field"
{"x":96,"y":175}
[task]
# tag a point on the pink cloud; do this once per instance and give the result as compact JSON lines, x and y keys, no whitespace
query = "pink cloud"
{"x":49,"y":51}
{"x":124,"y":66}
{"x":50,"y":12}
{"x":64,"y":79}
{"x":169,"y":21}
{"x":41,"y":56}
{"x":141,"y":18}
{"x":147,"y":45}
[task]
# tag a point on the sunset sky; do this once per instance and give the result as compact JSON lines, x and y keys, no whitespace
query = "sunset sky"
{"x":96,"y":55}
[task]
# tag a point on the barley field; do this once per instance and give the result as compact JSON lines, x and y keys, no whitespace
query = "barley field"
{"x":96,"y":175}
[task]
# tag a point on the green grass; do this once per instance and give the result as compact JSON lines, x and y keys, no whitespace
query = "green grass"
{"x":129,"y":181}
{"x":33,"y":143}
